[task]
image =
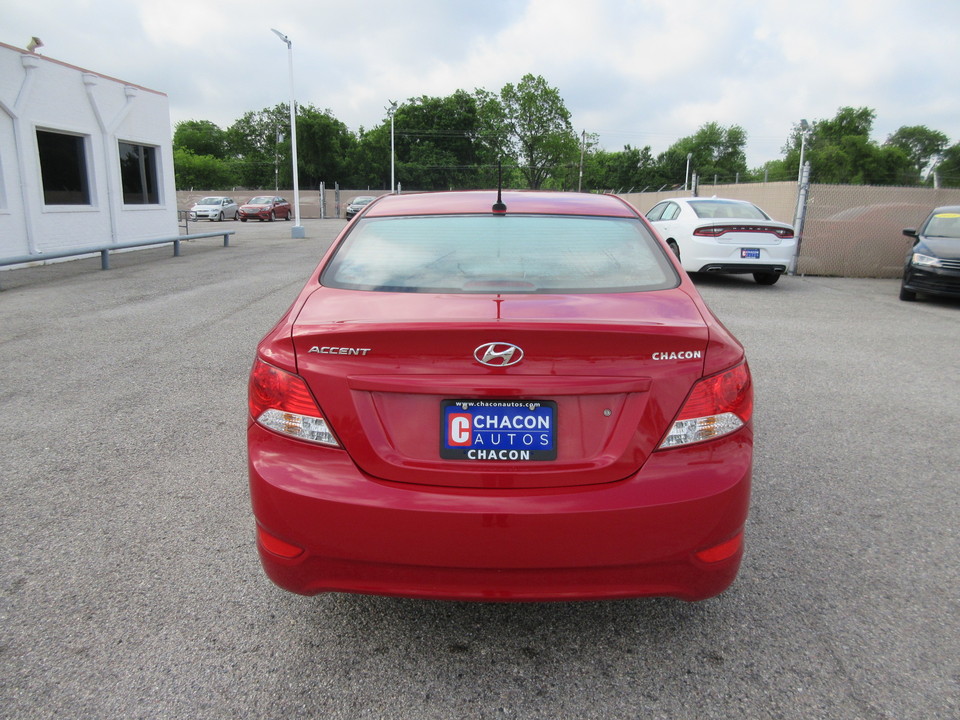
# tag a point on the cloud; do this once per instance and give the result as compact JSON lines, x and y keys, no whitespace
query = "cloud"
{"x":639,"y":72}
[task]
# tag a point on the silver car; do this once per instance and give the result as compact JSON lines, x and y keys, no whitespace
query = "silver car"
{"x":215,"y":208}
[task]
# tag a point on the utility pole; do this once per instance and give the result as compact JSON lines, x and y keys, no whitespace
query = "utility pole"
{"x":392,"y":110}
{"x":583,"y":145}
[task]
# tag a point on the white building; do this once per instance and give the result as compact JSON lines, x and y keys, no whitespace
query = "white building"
{"x":85,"y":159}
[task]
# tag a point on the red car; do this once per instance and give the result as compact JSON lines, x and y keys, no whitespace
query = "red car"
{"x":265,"y":207}
{"x":516,"y":398}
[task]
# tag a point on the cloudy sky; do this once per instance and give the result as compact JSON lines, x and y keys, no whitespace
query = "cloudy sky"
{"x":638,"y":72}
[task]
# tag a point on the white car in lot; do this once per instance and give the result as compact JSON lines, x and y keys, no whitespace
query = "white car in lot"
{"x":717,"y":235}
{"x":215,"y":208}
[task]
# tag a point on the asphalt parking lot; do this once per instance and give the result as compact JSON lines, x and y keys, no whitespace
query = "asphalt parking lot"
{"x":130,"y":586}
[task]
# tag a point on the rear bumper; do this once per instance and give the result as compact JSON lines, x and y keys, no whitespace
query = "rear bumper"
{"x":631,"y":538}
{"x":711,"y":256}
{"x":728,"y":268}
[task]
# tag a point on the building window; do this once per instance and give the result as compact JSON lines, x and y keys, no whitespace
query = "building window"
{"x":138,"y":174}
{"x":63,"y":168}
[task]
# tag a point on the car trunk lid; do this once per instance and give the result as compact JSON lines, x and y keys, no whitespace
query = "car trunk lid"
{"x":603,"y":391}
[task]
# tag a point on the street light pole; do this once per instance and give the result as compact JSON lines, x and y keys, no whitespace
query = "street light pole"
{"x":583,"y":146}
{"x":392,"y":109}
{"x":804,"y":131}
{"x":297,"y":231}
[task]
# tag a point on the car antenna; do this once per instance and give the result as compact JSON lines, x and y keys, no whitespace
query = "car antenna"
{"x":498,"y":206}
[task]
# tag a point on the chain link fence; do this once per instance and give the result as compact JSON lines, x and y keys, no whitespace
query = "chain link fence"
{"x":857,"y":231}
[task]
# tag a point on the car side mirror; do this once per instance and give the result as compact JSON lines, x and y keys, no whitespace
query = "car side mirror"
{"x":910,"y":232}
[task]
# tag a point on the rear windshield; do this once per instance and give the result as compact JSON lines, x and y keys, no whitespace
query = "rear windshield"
{"x":500,"y":254}
{"x":726,"y":209}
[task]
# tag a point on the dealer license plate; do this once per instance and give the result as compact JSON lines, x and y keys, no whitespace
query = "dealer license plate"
{"x":750,"y":253}
{"x":513,"y":430}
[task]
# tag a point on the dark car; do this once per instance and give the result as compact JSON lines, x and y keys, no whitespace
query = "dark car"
{"x":265,"y":207}
{"x":933,"y":265}
{"x":486,"y":398}
{"x":358,"y":204}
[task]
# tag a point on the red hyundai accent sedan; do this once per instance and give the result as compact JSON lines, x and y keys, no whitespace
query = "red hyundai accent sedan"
{"x":481,"y":400}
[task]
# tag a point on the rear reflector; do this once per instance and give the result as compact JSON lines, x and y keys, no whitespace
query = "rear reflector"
{"x":722,"y":551}
{"x":276,"y":546}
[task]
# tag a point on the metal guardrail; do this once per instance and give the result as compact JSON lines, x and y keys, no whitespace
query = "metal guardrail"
{"x":105,"y":250}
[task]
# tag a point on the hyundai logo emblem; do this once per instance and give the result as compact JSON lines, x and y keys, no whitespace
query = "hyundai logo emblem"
{"x":498,"y":354}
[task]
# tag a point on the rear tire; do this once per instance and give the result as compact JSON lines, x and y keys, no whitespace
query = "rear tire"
{"x":673,"y":246}
{"x":766,"y":278}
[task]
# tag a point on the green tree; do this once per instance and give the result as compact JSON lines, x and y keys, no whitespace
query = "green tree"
{"x":369,"y":163}
{"x":200,"y":137}
{"x":848,"y":122}
{"x":534,"y":126}
{"x":324,"y":145}
{"x":922,"y":145}
{"x":773,"y":171}
{"x":840,"y":151}
{"x":948,"y":169}
{"x":630,"y":169}
{"x":259,"y":142}
{"x":438,"y":142}
{"x":714,"y":151}
{"x":494,"y":143}
{"x":202,"y":172}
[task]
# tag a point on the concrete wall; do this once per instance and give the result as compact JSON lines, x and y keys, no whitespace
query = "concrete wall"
{"x":38,"y":93}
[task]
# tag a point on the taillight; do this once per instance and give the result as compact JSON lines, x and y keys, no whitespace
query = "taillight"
{"x":281,"y":401}
{"x":718,"y":405}
{"x":709,"y":231}
{"x":718,"y":230}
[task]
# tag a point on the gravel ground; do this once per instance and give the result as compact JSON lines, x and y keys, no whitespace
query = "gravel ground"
{"x":131,"y":588}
